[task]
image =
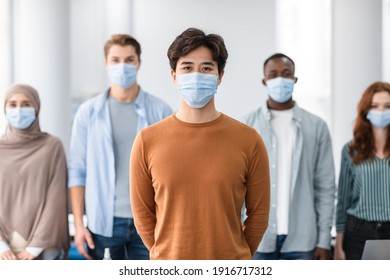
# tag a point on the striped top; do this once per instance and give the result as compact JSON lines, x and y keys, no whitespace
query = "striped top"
{"x":363,"y":191}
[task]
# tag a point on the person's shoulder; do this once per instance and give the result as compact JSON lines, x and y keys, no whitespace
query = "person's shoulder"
{"x":255,"y":118}
{"x":154,"y":100}
{"x":240,"y":126}
{"x":158,"y":127}
{"x":88,"y":104}
{"x":310,"y":116}
{"x":52,"y":143}
{"x":346,"y":156}
{"x":91,"y":101}
{"x":53,"y":140}
{"x":311,"y":121}
{"x":254,"y":114}
{"x":346,"y":148}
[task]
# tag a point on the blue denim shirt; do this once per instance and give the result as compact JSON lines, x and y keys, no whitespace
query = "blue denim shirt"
{"x":91,"y":161}
{"x":313,"y":182}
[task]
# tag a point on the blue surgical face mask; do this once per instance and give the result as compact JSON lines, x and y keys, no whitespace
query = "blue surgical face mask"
{"x":123,"y":75}
{"x":197,"y":89}
{"x":20,"y":118}
{"x":380,"y":119}
{"x":280,"y":89}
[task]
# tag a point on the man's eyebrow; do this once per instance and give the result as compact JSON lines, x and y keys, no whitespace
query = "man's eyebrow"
{"x":186,"y":62}
{"x":208,"y":63}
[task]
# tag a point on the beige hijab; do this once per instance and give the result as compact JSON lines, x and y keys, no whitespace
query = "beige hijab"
{"x":34,"y":130}
{"x":33,"y":178}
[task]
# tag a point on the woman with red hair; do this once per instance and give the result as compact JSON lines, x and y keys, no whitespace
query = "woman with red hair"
{"x":363,"y":202}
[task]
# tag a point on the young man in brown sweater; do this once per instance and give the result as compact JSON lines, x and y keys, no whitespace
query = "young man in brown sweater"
{"x":191,"y":173}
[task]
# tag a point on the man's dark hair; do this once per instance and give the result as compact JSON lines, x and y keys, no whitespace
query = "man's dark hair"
{"x":277,"y":55}
{"x":193,"y":38}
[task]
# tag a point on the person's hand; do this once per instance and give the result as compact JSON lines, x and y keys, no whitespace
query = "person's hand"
{"x":322,"y":254}
{"x":339,"y":253}
{"x":25,"y":256}
{"x":81,"y":236}
{"x":8,"y":255}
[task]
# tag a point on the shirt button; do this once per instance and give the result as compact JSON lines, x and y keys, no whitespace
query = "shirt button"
{"x":274,"y":225}
{"x":273,"y":205}
{"x":273,"y":185}
{"x":273,"y":165}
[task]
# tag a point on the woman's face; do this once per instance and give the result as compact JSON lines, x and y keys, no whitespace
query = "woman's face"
{"x":18,"y":100}
{"x":381,"y":101}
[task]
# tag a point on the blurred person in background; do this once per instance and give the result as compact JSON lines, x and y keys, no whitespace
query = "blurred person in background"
{"x":363,"y":201}
{"x":33,"y":178}
{"x":103,"y":132}
{"x":302,"y":169}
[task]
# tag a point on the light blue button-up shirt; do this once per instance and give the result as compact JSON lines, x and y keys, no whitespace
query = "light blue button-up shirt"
{"x":312,"y":198}
{"x":91,"y":161}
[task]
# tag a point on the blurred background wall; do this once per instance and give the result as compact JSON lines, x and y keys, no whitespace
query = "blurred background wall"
{"x":339,"y":48}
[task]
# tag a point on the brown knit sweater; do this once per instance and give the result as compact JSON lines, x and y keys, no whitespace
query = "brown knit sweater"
{"x":188,"y":185}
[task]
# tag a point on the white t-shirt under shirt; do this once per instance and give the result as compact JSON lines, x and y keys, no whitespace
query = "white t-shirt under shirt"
{"x":285,"y":132}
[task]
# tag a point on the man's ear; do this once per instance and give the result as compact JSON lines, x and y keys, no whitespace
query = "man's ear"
{"x":220,"y":75}
{"x":173,"y":75}
{"x":296,"y":80}
{"x":264,"y":82}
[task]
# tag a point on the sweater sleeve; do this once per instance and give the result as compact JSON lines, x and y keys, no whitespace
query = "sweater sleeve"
{"x":344,"y":189}
{"x":257,"y":198}
{"x":142,"y":193}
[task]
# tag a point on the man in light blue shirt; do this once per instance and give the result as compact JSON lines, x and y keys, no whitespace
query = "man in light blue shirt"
{"x":302,"y":170}
{"x":103,"y":132}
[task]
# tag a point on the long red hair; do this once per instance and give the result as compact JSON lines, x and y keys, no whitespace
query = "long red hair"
{"x":363,"y":144}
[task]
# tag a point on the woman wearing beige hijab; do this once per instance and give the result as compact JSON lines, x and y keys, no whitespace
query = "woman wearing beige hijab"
{"x":33,"y":200}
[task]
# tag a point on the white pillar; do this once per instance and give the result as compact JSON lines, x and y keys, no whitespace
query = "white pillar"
{"x":41,"y":59}
{"x":5,"y":55}
{"x":120,"y":18}
{"x":92,"y":22}
{"x":87,"y":31}
{"x":357,"y":61}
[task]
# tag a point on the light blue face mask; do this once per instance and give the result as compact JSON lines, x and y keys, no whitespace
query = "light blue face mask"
{"x":123,"y":75}
{"x":280,"y":89}
{"x":380,"y":119}
{"x":197,"y":89}
{"x":20,"y":118}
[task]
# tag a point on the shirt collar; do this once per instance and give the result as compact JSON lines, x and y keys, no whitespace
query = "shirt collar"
{"x":297,"y":114}
{"x":102,"y":99}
